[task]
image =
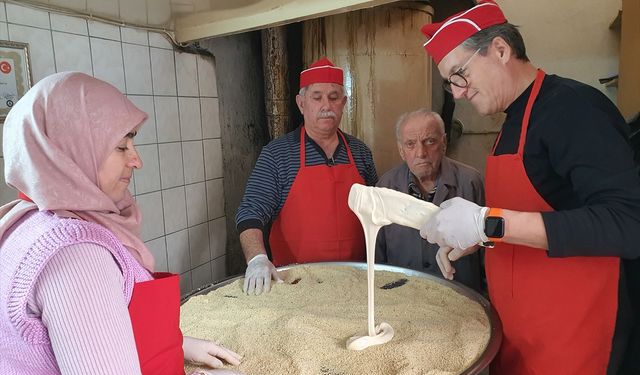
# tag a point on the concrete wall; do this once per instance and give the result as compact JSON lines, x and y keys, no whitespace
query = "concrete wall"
{"x":243,"y":123}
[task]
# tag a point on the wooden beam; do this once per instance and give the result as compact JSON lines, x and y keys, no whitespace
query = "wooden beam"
{"x":261,"y":14}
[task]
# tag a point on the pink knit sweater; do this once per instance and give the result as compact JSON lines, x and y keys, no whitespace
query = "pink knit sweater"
{"x":25,"y":250}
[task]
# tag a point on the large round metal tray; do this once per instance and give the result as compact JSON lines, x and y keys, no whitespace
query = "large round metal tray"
{"x":496,"y":327}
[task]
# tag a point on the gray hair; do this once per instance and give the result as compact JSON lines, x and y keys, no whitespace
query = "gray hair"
{"x":483,"y":38}
{"x":303,"y":90}
{"x":422,"y":112}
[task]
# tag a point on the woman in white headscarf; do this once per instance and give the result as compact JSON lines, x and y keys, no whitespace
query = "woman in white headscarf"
{"x":77,"y":290}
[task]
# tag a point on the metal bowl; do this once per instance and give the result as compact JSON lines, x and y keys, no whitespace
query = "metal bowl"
{"x":476,"y":368}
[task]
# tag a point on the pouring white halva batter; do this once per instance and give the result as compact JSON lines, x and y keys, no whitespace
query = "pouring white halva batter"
{"x":377,"y":207}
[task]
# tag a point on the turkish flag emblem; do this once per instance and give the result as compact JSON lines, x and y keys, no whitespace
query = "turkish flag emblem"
{"x":5,"y":67}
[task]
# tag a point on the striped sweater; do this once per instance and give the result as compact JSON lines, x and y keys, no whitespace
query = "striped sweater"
{"x":276,"y":169}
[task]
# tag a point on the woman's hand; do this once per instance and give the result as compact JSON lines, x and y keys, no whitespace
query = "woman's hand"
{"x":208,"y":353}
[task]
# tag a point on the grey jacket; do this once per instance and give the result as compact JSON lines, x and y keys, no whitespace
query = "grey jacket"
{"x":402,"y":246}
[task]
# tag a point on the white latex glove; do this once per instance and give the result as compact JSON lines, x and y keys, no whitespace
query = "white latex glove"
{"x":258,"y":276}
{"x":204,"y":352}
{"x":446,"y":255}
{"x":459,"y":224}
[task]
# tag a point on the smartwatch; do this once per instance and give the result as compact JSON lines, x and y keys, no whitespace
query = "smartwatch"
{"x":494,"y":225}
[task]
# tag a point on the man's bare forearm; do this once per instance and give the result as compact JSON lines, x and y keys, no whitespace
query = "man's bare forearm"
{"x":525,"y":228}
{"x":252,"y":243}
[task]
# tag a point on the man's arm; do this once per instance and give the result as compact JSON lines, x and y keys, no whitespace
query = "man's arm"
{"x":372,"y":174}
{"x":524,"y":228}
{"x":252,"y":242}
{"x":260,"y":270}
{"x":260,"y":203}
{"x":459,"y":225}
{"x":587,"y":147}
{"x":364,"y":161}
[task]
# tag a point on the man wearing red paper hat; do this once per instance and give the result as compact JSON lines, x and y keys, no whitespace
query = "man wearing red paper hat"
{"x":563,"y":202}
{"x":300,"y":185}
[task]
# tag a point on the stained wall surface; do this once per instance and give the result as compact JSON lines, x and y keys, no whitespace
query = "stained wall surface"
{"x":386,"y":70}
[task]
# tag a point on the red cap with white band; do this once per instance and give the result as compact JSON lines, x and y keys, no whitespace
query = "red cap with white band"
{"x":321,"y":71}
{"x":446,"y":35}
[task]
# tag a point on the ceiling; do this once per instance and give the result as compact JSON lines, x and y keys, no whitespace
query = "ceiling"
{"x":191,"y":20}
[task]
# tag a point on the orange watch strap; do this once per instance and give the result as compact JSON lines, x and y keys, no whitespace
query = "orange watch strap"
{"x":495,"y":212}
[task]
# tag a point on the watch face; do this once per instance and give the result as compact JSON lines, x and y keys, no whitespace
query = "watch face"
{"x":494,"y":227}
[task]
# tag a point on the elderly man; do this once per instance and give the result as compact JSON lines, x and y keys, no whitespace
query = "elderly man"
{"x":300,"y":185}
{"x":427,"y":174}
{"x":564,"y":205}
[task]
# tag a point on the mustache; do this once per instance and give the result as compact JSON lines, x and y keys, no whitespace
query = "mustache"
{"x":327,"y":114}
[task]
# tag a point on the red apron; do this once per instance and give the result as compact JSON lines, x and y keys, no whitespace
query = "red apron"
{"x":155,"y":316}
{"x":154,"y":310}
{"x":316,"y":223}
{"x":558,"y":314}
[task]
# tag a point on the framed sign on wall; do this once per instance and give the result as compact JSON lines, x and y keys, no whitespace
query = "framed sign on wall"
{"x":15,"y":74}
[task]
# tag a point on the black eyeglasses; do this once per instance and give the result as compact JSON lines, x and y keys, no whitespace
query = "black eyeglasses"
{"x":457,"y":78}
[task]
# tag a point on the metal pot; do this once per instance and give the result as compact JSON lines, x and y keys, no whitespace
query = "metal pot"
{"x":495,"y":338}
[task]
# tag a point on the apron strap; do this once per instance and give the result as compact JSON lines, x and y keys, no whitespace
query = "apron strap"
{"x":302,"y":149}
{"x":525,"y":120}
{"x":495,"y":143}
{"x":527,"y":112}
{"x":303,"y":144}
{"x":24,"y":197}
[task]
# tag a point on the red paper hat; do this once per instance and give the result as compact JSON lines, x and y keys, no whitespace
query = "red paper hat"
{"x":446,"y":35}
{"x":321,"y":71}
